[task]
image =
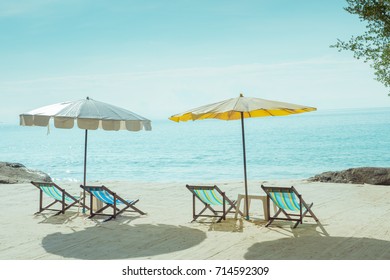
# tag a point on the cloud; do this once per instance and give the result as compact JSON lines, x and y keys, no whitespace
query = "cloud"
{"x":321,"y":82}
{"x":187,"y":72}
{"x":11,"y":8}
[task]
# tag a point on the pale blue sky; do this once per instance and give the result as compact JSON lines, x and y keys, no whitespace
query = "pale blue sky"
{"x":158,"y":58}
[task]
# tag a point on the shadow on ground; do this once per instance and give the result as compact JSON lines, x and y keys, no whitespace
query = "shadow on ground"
{"x":320,"y":248}
{"x":122,"y":241}
{"x":228,"y":225}
{"x":65,"y":218}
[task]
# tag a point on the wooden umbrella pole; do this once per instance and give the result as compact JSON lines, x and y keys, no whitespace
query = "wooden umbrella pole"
{"x":245,"y":177}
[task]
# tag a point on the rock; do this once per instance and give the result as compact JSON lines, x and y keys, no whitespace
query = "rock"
{"x":360,"y":175}
{"x":13,"y":173}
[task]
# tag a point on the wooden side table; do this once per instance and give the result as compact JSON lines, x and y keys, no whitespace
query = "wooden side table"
{"x":262,"y":198}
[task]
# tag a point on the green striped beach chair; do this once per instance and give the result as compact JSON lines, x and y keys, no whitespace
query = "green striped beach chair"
{"x":59,"y":195}
{"x":110,"y":200}
{"x":211,"y":197}
{"x":290,"y":203}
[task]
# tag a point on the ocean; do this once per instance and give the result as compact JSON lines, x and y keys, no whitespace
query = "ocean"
{"x":289,"y":147}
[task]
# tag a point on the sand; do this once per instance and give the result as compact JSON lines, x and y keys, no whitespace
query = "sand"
{"x":354,"y":224}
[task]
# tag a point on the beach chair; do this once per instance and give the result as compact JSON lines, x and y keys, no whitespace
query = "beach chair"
{"x":290,"y":203}
{"x":109,"y":200}
{"x":59,"y":195}
{"x":211,"y":197}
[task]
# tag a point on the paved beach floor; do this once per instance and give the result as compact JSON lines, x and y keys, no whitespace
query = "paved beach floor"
{"x":354,"y":225}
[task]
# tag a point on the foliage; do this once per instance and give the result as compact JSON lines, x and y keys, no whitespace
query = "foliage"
{"x":372,"y":46}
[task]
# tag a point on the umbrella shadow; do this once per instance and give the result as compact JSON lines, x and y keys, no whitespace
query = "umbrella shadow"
{"x":320,"y":248}
{"x":122,"y":241}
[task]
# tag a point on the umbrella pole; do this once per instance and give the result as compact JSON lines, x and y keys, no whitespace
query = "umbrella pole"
{"x":85,"y":165}
{"x":85,"y":157}
{"x":245,"y":177}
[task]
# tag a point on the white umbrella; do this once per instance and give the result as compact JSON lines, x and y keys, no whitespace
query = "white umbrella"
{"x":89,"y":114}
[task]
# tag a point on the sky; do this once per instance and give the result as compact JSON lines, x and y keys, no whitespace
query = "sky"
{"x":162,"y":57}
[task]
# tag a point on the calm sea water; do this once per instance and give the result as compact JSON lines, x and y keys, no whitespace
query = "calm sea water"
{"x":297,"y":146}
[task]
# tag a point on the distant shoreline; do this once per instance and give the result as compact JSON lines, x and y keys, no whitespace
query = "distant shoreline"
{"x":165,"y":119}
{"x":14,"y":173}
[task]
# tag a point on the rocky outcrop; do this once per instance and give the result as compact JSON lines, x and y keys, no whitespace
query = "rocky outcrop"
{"x":13,"y":173}
{"x":360,"y":175}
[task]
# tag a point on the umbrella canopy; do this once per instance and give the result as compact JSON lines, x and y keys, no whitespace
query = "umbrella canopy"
{"x":238,"y":109}
{"x":89,"y":115}
{"x":241,"y":107}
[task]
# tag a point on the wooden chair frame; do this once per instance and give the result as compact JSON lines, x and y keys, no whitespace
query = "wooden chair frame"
{"x":76,"y":202}
{"x":227,"y":204}
{"x":304,"y":208}
{"x":116,"y":198}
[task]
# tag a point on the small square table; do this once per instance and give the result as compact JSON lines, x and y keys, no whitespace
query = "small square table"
{"x":262,"y":198}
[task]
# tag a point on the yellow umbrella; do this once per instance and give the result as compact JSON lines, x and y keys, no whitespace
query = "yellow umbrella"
{"x":241,"y":108}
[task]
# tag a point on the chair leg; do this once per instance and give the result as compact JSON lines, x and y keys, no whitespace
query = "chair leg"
{"x":40,"y":200}
{"x":304,"y":214}
{"x":69,"y":205}
{"x":269,"y":222}
{"x":311,"y":212}
{"x":193,"y":207}
{"x":99,"y":211}
{"x":237,"y":211}
{"x":271,"y":219}
{"x":47,"y":207}
{"x":220,"y":219}
{"x":137,"y":210}
{"x":196,"y":216}
{"x":297,"y":223}
{"x":114,"y":206}
{"x":63,"y":203}
{"x":224,"y":208}
{"x":131,"y":206}
{"x":208,"y":207}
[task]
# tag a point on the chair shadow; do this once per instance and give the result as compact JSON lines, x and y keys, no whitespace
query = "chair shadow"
{"x":320,"y":248}
{"x":228,"y":225}
{"x":69,"y":216}
{"x":122,"y":241}
{"x":305,"y":229}
{"x":65,"y":218}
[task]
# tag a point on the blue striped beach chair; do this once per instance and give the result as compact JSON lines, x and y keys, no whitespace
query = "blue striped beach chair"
{"x":211,"y":197}
{"x":110,"y":200}
{"x":59,"y":195}
{"x":290,"y":203}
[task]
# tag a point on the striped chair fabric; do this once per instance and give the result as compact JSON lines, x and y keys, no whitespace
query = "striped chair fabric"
{"x":55,"y":193}
{"x":285,"y":200}
{"x":209,"y":197}
{"x":106,"y":197}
